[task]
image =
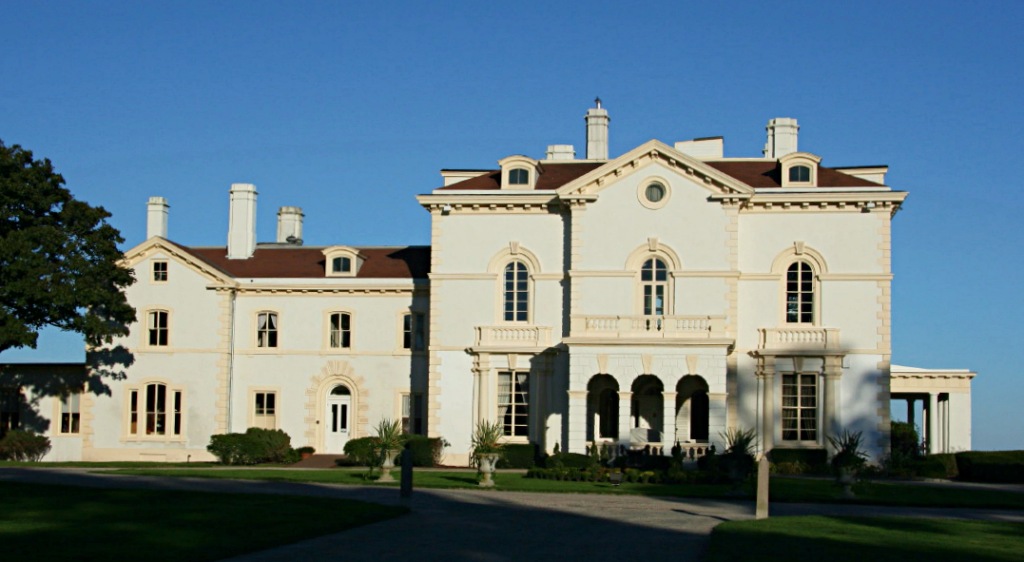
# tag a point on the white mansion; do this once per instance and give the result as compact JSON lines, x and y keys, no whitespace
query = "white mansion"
{"x":662,"y":296}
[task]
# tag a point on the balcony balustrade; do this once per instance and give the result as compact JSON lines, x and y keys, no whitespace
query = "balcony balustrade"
{"x":799,"y":338}
{"x":648,"y":327}
{"x":513,"y":336}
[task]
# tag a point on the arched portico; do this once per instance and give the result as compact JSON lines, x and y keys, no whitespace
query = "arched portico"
{"x":602,"y":408}
{"x":692,"y":410}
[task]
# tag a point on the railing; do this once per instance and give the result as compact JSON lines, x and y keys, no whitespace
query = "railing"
{"x":654,"y":327}
{"x":513,"y":336}
{"x":795,"y":338}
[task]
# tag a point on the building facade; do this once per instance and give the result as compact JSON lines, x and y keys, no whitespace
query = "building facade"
{"x":661,"y":297}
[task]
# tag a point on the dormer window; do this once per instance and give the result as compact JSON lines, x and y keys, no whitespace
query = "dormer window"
{"x":519,"y":172}
{"x":799,"y":169}
{"x":342,"y":261}
{"x":518,"y":176}
{"x":341,"y":265}
{"x":800,"y":174}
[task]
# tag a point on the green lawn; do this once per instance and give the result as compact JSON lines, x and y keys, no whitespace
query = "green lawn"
{"x":782,"y":489}
{"x":881,"y":539}
{"x":42,"y":522}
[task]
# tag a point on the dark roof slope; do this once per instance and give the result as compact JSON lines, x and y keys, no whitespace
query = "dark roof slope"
{"x":755,"y":173}
{"x":309,"y":262}
{"x":552,"y":176}
{"x":768,"y":173}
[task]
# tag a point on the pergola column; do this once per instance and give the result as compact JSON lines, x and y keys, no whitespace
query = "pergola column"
{"x":766,"y":376}
{"x":932,"y":415}
{"x":830,"y":408}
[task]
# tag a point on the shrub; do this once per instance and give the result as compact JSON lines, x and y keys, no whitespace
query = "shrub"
{"x":519,"y":455}
{"x":936,"y":466}
{"x":799,"y":461}
{"x":252,"y":447}
{"x":19,"y":445}
{"x":991,"y":466}
{"x":904,"y":440}
{"x":849,"y":455}
{"x":362,"y":451}
{"x":426,"y":451}
{"x":569,"y":460}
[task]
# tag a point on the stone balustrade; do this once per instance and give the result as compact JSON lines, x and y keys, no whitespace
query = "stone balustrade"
{"x":648,"y":327}
{"x":513,"y":336}
{"x":799,"y":338}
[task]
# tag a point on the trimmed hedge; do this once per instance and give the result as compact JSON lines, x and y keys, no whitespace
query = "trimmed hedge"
{"x":991,"y":466}
{"x":19,"y":445}
{"x":518,"y":455}
{"x":936,"y":466}
{"x":799,"y":461}
{"x":426,"y":451}
{"x":362,"y":450}
{"x":252,"y":447}
{"x":569,"y":460}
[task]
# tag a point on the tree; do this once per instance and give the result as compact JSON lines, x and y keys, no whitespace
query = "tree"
{"x":59,"y":261}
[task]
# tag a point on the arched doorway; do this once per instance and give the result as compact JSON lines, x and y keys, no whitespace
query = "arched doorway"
{"x":647,"y":410}
{"x":338,"y":419}
{"x":692,"y":409}
{"x":602,"y":408}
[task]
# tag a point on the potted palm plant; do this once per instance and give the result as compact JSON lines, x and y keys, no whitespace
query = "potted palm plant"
{"x":848,"y":460}
{"x":389,"y":445}
{"x":487,"y":449}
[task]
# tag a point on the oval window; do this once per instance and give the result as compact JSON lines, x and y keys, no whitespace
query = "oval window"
{"x":655,"y":192}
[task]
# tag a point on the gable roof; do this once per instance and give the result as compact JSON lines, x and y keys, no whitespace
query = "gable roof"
{"x":403,"y":262}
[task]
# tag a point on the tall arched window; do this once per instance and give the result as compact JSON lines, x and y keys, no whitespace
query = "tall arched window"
{"x":800,"y":293}
{"x":517,"y":291}
{"x":654,"y":279}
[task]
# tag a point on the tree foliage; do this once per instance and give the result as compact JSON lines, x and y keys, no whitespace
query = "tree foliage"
{"x":59,"y":261}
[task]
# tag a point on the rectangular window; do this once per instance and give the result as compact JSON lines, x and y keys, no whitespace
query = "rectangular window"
{"x":70,"y":413}
{"x":514,"y":403}
{"x":160,"y":271}
{"x":412,"y":413}
{"x":149,"y":412}
{"x":799,"y":406}
{"x":265,"y":410}
{"x":158,"y":333}
{"x":414,"y":332}
{"x":266,"y":329}
{"x":341,"y":330}
{"x":10,"y":409}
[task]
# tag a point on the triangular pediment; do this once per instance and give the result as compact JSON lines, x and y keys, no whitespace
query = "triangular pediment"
{"x":717,"y":183}
{"x":157,"y":244}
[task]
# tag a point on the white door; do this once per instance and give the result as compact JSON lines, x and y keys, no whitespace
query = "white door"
{"x":339,"y":406}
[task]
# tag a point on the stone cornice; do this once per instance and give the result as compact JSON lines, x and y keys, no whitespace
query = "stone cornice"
{"x":832,"y":200}
{"x":366,"y":290}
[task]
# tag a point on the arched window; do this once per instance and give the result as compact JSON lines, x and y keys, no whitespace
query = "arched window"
{"x":517,"y":291}
{"x":518,"y":176}
{"x":654,"y":280}
{"x":154,"y":410}
{"x":800,"y":173}
{"x":800,"y":293}
{"x":341,"y":265}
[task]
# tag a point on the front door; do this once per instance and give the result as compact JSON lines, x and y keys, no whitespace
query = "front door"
{"x":339,"y":406}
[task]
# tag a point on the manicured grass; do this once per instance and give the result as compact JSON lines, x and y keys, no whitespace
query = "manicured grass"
{"x":792,"y":490}
{"x":880,"y":539}
{"x":41,"y":522}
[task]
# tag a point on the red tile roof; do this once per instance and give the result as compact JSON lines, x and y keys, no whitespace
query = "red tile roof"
{"x":408,"y":262}
{"x":755,"y":173}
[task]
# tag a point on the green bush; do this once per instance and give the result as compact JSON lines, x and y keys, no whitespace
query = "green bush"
{"x":569,"y":460}
{"x":19,"y":445}
{"x":810,"y":460}
{"x":991,"y":466}
{"x":904,"y":440}
{"x":362,"y":451}
{"x":252,"y":447}
{"x":518,"y":455}
{"x":935,"y":466}
{"x":426,"y":451}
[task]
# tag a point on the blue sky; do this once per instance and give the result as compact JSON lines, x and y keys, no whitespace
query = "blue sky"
{"x":348,"y":110}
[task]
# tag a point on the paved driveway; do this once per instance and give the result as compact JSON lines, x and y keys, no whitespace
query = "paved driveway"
{"x":490,"y":525}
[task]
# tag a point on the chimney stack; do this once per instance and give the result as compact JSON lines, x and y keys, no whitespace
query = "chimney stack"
{"x":156,"y":217}
{"x":242,"y":221}
{"x":561,"y":152}
{"x":289,"y":225}
{"x":782,"y":137}
{"x":597,"y":132}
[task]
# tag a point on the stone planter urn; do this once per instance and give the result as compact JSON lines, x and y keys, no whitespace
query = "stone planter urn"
{"x":845,"y":478}
{"x":388,"y":463}
{"x":487,"y":464}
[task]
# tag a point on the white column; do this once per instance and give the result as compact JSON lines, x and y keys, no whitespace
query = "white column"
{"x":717,"y":413}
{"x":668,"y":421}
{"x":625,"y":420}
{"x":767,"y":376}
{"x":577,"y":422}
{"x":932,"y":416}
